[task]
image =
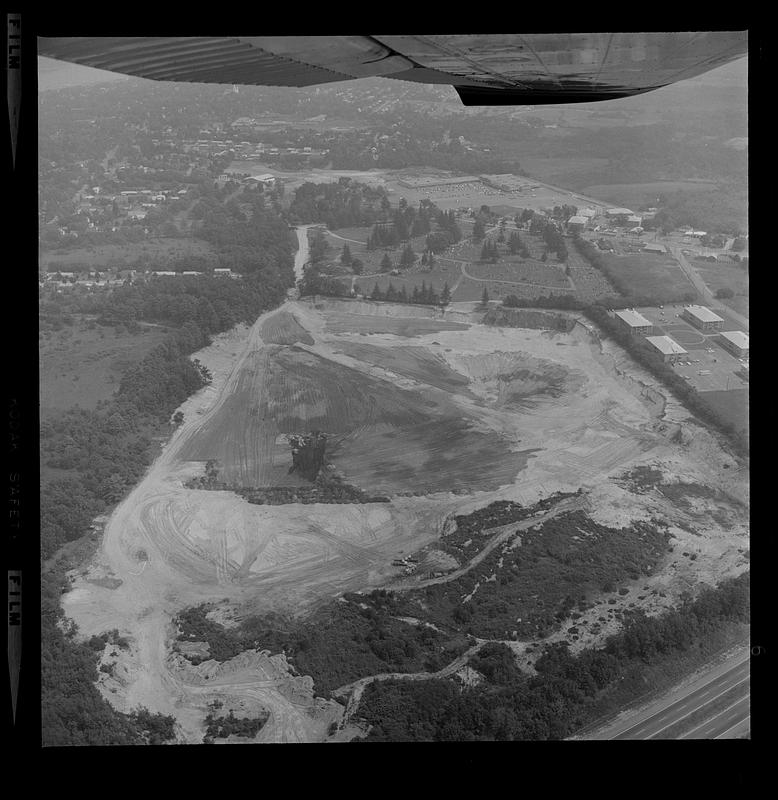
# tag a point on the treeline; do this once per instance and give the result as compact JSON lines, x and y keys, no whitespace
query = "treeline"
{"x":597,"y":312}
{"x":407,"y":222}
{"x":212,"y":303}
{"x":424,"y":295}
{"x":719,"y":211}
{"x":551,"y":234}
{"x":329,"y":489}
{"x":568,"y":691}
{"x":343,"y":204}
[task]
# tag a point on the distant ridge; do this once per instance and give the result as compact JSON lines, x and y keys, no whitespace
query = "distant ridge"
{"x":53,"y":74}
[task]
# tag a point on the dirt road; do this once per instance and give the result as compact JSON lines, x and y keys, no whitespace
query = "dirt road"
{"x":355,"y":689}
{"x":499,"y":535}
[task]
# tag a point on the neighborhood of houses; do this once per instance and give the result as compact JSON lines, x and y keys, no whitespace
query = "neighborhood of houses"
{"x":64,"y":280}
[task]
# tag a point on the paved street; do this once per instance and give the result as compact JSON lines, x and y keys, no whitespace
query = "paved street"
{"x":716,"y":705}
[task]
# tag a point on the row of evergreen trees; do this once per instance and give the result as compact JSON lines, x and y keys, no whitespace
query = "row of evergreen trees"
{"x":424,"y":295}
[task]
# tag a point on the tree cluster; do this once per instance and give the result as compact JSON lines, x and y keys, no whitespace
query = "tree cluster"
{"x":424,"y":295}
{"x":343,"y":204}
{"x":565,"y":694}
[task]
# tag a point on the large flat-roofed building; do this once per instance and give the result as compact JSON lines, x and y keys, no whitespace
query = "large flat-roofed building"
{"x":577,"y":223}
{"x":656,"y":249}
{"x":736,"y":342}
{"x":636,"y":323}
{"x":668,"y":348}
{"x":619,"y":212}
{"x":703,"y":318}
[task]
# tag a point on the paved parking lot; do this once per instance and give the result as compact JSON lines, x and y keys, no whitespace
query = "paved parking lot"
{"x":705,"y":354}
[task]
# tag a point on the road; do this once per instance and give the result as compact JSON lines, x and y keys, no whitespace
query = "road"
{"x":700,"y":285}
{"x":714,"y":706}
{"x":355,"y":689}
{"x":301,"y":256}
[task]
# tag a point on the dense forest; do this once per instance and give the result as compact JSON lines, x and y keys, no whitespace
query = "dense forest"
{"x":338,"y":643}
{"x":339,"y":205}
{"x":568,"y":691}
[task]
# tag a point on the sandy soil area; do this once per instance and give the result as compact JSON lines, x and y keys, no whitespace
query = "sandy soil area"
{"x":585,"y":411}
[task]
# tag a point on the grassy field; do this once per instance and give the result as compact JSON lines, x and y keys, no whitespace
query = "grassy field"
{"x":726,"y":276}
{"x":440,"y":275}
{"x":80,"y":366}
{"x":150,"y":251}
{"x":370,"y":258}
{"x":519,"y":270}
{"x":650,"y":274}
{"x":633,"y":195}
{"x":559,"y":169}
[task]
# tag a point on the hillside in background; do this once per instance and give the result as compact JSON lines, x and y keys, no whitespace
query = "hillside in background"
{"x":53,"y":74}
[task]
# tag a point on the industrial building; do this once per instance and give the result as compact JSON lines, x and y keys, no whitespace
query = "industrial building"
{"x":619,"y":214}
{"x":636,"y":323}
{"x":668,"y":348}
{"x":703,"y":318}
{"x":577,"y":223}
{"x":266,"y":180}
{"x":736,"y":342}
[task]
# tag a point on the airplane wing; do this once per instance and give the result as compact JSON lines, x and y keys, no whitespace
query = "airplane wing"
{"x":489,"y":69}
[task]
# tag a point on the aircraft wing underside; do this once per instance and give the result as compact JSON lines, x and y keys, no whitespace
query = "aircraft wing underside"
{"x":493,"y":69}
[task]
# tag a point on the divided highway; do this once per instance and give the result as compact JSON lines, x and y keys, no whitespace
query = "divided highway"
{"x":717,"y":705}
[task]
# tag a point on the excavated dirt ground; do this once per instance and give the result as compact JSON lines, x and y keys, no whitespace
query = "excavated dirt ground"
{"x":538,"y":411}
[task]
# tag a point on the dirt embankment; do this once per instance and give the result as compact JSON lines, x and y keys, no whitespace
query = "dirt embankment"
{"x":529,"y":318}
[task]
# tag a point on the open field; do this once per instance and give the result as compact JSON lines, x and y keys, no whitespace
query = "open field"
{"x":725,"y":276}
{"x":651,"y":274}
{"x":150,"y":251}
{"x":634,"y":195}
{"x":80,"y":366}
{"x":560,"y":169}
{"x":497,"y":413}
{"x":442,"y":273}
